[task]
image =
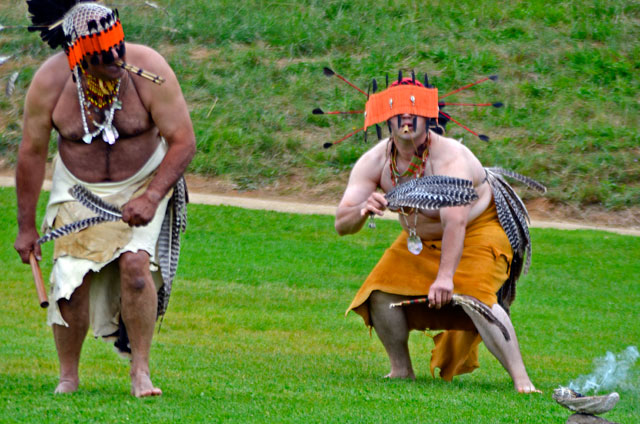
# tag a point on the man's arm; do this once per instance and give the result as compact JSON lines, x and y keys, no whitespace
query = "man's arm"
{"x":32,"y":154}
{"x":360,"y":198}
{"x":454,"y":224}
{"x":169,"y":112}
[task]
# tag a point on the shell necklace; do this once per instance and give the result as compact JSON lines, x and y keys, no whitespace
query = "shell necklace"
{"x":416,"y":169}
{"x":106,"y":128}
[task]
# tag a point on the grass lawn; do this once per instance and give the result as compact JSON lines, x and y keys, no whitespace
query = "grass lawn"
{"x":255,"y":332}
{"x":251,"y":72}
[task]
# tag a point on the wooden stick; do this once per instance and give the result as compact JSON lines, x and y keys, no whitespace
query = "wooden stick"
{"x":37,"y":278}
{"x":140,"y":72}
{"x":409,"y":302}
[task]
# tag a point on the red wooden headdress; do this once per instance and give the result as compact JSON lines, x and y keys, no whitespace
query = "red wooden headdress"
{"x":405,"y":96}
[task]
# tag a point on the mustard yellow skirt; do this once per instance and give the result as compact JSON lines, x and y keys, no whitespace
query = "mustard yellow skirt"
{"x":483,"y":269}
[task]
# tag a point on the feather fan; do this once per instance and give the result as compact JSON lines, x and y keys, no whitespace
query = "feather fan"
{"x":431,"y":192}
{"x":174,"y":223}
{"x":468,"y":301}
{"x":514,"y":219}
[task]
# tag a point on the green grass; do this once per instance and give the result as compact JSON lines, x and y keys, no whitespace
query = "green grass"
{"x":255,"y":332}
{"x":252,"y":72}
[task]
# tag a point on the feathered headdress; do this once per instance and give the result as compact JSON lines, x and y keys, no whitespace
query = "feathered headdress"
{"x":85,"y":29}
{"x":406,"y":95}
{"x":46,"y":16}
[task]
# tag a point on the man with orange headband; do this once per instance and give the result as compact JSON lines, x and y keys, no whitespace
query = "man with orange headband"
{"x":127,"y":138}
{"x":461,"y":250}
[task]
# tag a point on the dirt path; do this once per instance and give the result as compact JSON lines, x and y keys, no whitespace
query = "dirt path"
{"x":199,"y":195}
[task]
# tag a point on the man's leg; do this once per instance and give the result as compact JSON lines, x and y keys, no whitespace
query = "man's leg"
{"x":392,"y":329}
{"x":75,"y":312}
{"x":139,"y":308}
{"x":507,"y":352}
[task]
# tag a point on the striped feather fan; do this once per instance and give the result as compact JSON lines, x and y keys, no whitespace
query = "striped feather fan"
{"x":95,"y":203}
{"x":431,"y":192}
{"x":72,"y":228}
{"x":174,"y":223}
{"x":514,"y":219}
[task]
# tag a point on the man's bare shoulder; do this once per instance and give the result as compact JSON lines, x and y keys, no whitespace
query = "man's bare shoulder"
{"x":369,"y":167}
{"x":53,"y":73}
{"x":150,"y":60}
{"x":145,"y":57}
{"x":376,"y":154}
{"x":447,"y":149}
{"x":448,"y":154}
{"x":48,"y":83}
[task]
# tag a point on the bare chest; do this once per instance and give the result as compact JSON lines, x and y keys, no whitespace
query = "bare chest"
{"x":131,"y":120}
{"x":99,"y":161}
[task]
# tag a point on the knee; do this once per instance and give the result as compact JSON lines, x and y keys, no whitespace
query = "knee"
{"x":378,"y":299}
{"x":134,"y":270}
{"x":380,"y":302}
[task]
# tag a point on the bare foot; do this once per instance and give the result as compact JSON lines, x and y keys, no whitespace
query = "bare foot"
{"x":141,"y":386}
{"x":66,"y":386}
{"x":393,"y":374}
{"x":527,"y":388}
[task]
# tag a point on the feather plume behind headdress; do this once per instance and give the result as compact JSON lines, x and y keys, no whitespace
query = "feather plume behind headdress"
{"x":46,"y":17}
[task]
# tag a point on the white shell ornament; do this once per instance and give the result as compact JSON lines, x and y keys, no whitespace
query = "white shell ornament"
{"x":414,"y":243}
{"x":594,"y":405}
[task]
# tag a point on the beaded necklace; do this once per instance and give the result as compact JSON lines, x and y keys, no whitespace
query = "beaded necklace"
{"x":106,"y":128}
{"x":416,"y":169}
{"x":100,"y":93}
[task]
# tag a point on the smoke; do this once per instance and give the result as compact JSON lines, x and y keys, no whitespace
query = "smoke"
{"x":610,"y":372}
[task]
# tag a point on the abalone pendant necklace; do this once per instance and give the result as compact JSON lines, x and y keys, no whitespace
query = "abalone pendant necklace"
{"x":414,"y":242}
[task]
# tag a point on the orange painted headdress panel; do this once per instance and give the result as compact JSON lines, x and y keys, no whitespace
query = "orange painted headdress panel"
{"x":405,"y":96}
{"x":400,"y":99}
{"x":95,"y":43}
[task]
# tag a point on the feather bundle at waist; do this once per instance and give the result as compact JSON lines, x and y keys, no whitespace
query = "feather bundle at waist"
{"x":104,"y":210}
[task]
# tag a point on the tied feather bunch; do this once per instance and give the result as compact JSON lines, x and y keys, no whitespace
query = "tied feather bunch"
{"x":95,"y":203}
{"x":514,"y":219}
{"x":512,"y":213}
{"x":467,"y":301}
{"x":71,"y":228}
{"x":431,"y":192}
{"x":174,"y":223}
{"x":105,"y":212}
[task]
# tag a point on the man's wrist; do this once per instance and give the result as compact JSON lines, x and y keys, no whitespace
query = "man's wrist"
{"x":153,"y":196}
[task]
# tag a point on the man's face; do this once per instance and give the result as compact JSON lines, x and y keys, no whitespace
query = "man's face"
{"x":406,"y":131}
{"x":106,"y":70}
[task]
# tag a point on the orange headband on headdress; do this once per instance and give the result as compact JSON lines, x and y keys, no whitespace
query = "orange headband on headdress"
{"x":95,"y":43}
{"x":399,"y":99}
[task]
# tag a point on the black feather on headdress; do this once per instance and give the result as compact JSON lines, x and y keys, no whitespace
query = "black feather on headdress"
{"x":46,"y":16}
